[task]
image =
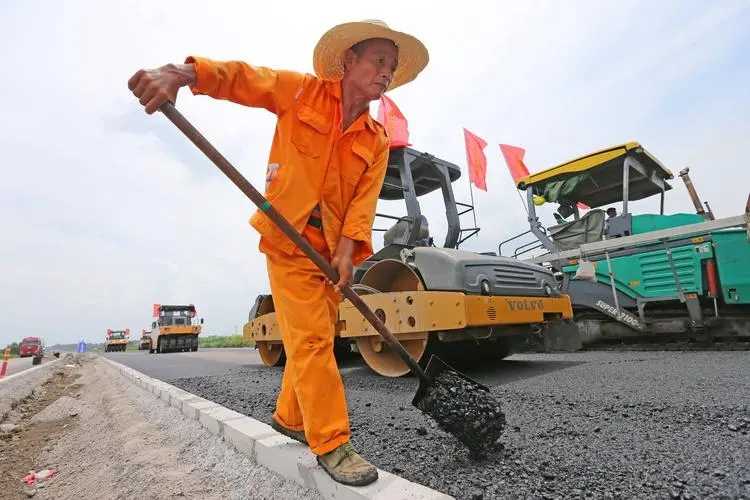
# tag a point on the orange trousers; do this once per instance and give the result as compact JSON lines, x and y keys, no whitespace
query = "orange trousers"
{"x":312,"y":393}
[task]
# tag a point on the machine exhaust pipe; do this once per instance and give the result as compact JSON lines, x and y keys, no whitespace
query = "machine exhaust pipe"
{"x":684,"y":175}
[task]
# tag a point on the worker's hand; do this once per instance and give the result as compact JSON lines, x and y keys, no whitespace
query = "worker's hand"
{"x":342,"y":262}
{"x":154,"y":87}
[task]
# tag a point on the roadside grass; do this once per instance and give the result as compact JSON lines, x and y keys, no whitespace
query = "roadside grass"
{"x":203,"y":341}
{"x":224,"y":341}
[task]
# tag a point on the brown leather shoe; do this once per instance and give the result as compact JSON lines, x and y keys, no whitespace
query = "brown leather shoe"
{"x":296,"y":435}
{"x":346,"y":466}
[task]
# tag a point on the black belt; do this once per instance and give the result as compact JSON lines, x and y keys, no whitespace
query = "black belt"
{"x":315,"y":222}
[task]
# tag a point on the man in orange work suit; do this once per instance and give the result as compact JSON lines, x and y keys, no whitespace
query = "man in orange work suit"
{"x":325,"y":171}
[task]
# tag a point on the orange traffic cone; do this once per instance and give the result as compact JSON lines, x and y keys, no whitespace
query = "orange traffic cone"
{"x":4,"y":366}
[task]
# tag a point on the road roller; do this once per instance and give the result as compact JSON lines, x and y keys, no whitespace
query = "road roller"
{"x":434,"y":298}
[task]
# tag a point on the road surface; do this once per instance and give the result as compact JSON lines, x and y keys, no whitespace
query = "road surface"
{"x":173,"y":365}
{"x":16,"y":365}
{"x":603,"y":424}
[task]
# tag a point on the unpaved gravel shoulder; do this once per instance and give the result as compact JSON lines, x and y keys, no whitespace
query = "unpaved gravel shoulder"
{"x":18,"y":386}
{"x":21,"y":440}
{"x":131,"y":445}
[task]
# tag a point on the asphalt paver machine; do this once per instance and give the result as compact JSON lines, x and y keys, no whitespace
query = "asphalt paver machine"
{"x":435,"y":299}
{"x":637,"y":274}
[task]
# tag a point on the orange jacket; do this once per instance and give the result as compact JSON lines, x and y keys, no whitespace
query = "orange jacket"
{"x":312,"y":161}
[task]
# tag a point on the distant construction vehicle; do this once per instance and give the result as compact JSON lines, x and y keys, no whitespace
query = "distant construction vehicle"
{"x":30,"y":346}
{"x":145,"y":342}
{"x":117,"y":340}
{"x":459,"y":303}
{"x":173,"y":330}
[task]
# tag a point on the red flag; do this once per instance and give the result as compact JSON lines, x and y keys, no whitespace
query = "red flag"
{"x":394,"y":122}
{"x":155,"y":310}
{"x":514,"y":159}
{"x":518,"y":170}
{"x":476,"y":160}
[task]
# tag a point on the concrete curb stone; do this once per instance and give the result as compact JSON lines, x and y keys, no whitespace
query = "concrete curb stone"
{"x":165,"y":393}
{"x":272,"y":450}
{"x":193,"y":408}
{"x":214,"y":419}
{"x":281,"y":454}
{"x":179,"y":400}
{"x":245,"y":432}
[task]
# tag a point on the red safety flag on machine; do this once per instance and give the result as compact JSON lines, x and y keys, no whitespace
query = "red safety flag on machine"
{"x":476,"y":160}
{"x":514,"y":159}
{"x":394,"y":122}
{"x":518,"y":170}
{"x":155,"y":310}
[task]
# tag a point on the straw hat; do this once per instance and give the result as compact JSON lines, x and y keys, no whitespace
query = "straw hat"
{"x":328,"y":55}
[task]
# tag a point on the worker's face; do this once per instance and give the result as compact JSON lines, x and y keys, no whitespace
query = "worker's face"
{"x":371,"y":71}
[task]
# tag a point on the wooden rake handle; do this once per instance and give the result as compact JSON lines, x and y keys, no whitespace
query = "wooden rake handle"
{"x":263,"y":204}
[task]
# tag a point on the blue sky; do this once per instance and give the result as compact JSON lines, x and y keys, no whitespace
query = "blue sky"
{"x":107,"y":211}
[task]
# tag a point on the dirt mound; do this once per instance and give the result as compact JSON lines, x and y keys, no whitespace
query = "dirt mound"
{"x":61,"y":409}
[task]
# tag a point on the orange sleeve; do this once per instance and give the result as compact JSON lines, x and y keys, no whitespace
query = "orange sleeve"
{"x":243,"y":83}
{"x":361,"y":212}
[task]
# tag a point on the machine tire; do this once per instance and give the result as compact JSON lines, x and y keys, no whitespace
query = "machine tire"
{"x":271,"y":354}
{"x":390,"y":276}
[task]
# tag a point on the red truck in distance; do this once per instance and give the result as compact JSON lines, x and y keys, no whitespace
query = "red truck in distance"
{"x":30,"y":346}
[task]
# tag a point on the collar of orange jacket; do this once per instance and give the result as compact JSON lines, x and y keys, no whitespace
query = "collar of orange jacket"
{"x":334,"y":88}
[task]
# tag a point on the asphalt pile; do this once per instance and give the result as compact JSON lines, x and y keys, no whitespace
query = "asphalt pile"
{"x":466,"y":410}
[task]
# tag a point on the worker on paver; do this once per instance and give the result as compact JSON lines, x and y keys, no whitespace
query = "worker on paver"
{"x":325,"y":171}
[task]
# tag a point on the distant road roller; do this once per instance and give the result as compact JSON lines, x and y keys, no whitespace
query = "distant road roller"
{"x":434,"y":299}
{"x":145,"y":343}
{"x":116,"y":340}
{"x":175,"y":329}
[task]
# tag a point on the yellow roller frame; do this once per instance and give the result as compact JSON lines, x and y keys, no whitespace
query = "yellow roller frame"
{"x":179,"y":330}
{"x":416,"y":312}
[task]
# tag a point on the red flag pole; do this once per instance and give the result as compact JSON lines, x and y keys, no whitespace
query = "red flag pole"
{"x":473,"y":207}
{"x":475,"y":158}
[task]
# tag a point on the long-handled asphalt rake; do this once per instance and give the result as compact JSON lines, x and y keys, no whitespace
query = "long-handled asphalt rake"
{"x":458,"y":404}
